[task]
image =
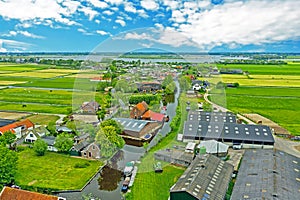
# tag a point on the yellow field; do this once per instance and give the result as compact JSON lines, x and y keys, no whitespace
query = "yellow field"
{"x":67,"y":71}
{"x":35,"y":74}
{"x":11,"y":82}
{"x":284,"y":77}
{"x":13,"y":115}
{"x":259,"y":80}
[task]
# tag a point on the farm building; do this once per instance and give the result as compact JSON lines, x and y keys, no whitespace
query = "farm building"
{"x":214,"y":147}
{"x":9,"y":193}
{"x":89,"y":107}
{"x":91,"y":151}
{"x":148,"y":86}
{"x":207,"y":177}
{"x":4,"y":122}
{"x":211,"y":116}
{"x":268,"y":174}
{"x":173,"y":156}
{"x":138,"y":128}
{"x":50,"y":140}
{"x":249,"y":136}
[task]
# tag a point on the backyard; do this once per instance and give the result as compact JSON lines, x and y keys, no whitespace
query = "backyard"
{"x":54,"y":171}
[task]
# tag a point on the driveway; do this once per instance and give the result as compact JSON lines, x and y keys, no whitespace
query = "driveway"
{"x":287,"y":146}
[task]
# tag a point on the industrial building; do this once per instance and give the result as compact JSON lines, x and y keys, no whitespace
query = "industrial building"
{"x":207,"y":177}
{"x":268,"y":174}
{"x":211,"y":116}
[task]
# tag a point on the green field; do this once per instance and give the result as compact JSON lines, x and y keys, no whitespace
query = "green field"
{"x":280,"y":104}
{"x":43,"y":119}
{"x":53,"y":171}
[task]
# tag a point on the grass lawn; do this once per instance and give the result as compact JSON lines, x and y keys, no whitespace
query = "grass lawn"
{"x":36,"y":74}
{"x":54,"y":171}
{"x":150,"y":185}
{"x":43,"y":119}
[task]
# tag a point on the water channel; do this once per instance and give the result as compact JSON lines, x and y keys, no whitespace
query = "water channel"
{"x":110,"y":186}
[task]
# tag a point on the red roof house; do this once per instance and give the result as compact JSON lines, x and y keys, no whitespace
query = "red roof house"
{"x":8,"y":193}
{"x":17,"y":127}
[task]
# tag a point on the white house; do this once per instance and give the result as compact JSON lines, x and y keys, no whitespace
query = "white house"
{"x":197,"y":87}
{"x":33,"y":134}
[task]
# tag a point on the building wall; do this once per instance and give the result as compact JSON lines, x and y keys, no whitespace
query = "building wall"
{"x":92,"y":151}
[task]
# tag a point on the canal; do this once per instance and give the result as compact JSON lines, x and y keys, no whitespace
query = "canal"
{"x":108,"y":187}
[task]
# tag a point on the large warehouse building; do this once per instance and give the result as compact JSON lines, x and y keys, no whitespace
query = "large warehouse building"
{"x":225,"y":129}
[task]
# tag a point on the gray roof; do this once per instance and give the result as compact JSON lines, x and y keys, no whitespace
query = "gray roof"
{"x":80,"y":146}
{"x":212,"y":116}
{"x":212,"y":146}
{"x":63,"y":129}
{"x":4,"y":122}
{"x":265,"y":174}
{"x":82,"y":136}
{"x":176,"y":154}
{"x":227,"y":131}
{"x":206,"y":178}
{"x":50,"y":140}
{"x":132,"y":124}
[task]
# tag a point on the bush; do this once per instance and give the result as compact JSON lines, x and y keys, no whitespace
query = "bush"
{"x":82,"y":165}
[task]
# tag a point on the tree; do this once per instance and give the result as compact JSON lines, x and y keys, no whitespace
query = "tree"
{"x":170,"y":89}
{"x":107,"y":148}
{"x":167,"y":81}
{"x":7,"y":138}
{"x":112,"y":135}
{"x":51,"y":128}
{"x":114,"y":123}
{"x":185,"y":83}
{"x":63,"y":142}
{"x":8,"y":165}
{"x":40,"y":147}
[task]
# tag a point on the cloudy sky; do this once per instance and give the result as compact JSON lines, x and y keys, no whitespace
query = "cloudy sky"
{"x":125,"y":25}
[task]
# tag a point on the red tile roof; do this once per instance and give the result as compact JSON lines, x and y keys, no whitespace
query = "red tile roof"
{"x":153,"y":116}
{"x":27,"y":123}
{"x":143,"y":106}
{"x":18,"y":194}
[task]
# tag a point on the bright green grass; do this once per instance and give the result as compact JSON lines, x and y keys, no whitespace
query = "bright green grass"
{"x":281,"y":105}
{"x":38,"y":108}
{"x":287,"y":69}
{"x":54,"y":171}
{"x":150,"y":185}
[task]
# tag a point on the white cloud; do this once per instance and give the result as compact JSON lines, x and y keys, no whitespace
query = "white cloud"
{"x":24,"y":33}
{"x":149,"y":4}
{"x":114,"y":2}
{"x":89,"y":12}
{"x":171,"y":4}
{"x":108,"y":12}
{"x":137,"y":36}
{"x":40,"y":10}
{"x":149,"y":45}
{"x":142,"y":13}
{"x":97,"y":21}
{"x":98,"y":4}
{"x":101,"y":32}
{"x":128,"y":6}
{"x":121,"y":22}
{"x":239,"y":23}
{"x":12,"y":45}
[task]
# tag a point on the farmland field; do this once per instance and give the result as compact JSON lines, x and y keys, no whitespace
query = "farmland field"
{"x":11,"y":82}
{"x":36,"y":74}
{"x":54,"y":171}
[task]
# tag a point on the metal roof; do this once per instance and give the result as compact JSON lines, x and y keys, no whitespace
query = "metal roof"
{"x":4,"y":122}
{"x":132,"y":124}
{"x":231,"y":131}
{"x":268,"y":174}
{"x":207,"y":177}
{"x":212,"y":116}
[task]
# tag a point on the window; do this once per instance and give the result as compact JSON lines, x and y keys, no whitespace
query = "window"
{"x":31,"y":135}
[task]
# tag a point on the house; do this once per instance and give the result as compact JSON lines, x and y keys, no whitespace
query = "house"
{"x":81,"y":138}
{"x":86,"y":149}
{"x":9,"y":193}
{"x":90,"y":107}
{"x":138,"y":110}
{"x":4,"y":122}
{"x":138,"y":128}
{"x":148,"y":86}
{"x":32,"y":135}
{"x":213,"y":147}
{"x":50,"y":140}
{"x":100,"y":79}
{"x":91,"y":151}
{"x":207,"y":177}
{"x":19,"y":128}
{"x":141,"y":111}
{"x":267,"y":174}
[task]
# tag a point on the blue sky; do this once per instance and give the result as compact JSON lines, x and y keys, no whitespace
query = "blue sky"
{"x":127,"y":25}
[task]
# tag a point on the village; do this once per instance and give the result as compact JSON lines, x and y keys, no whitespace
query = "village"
{"x":221,"y":154}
